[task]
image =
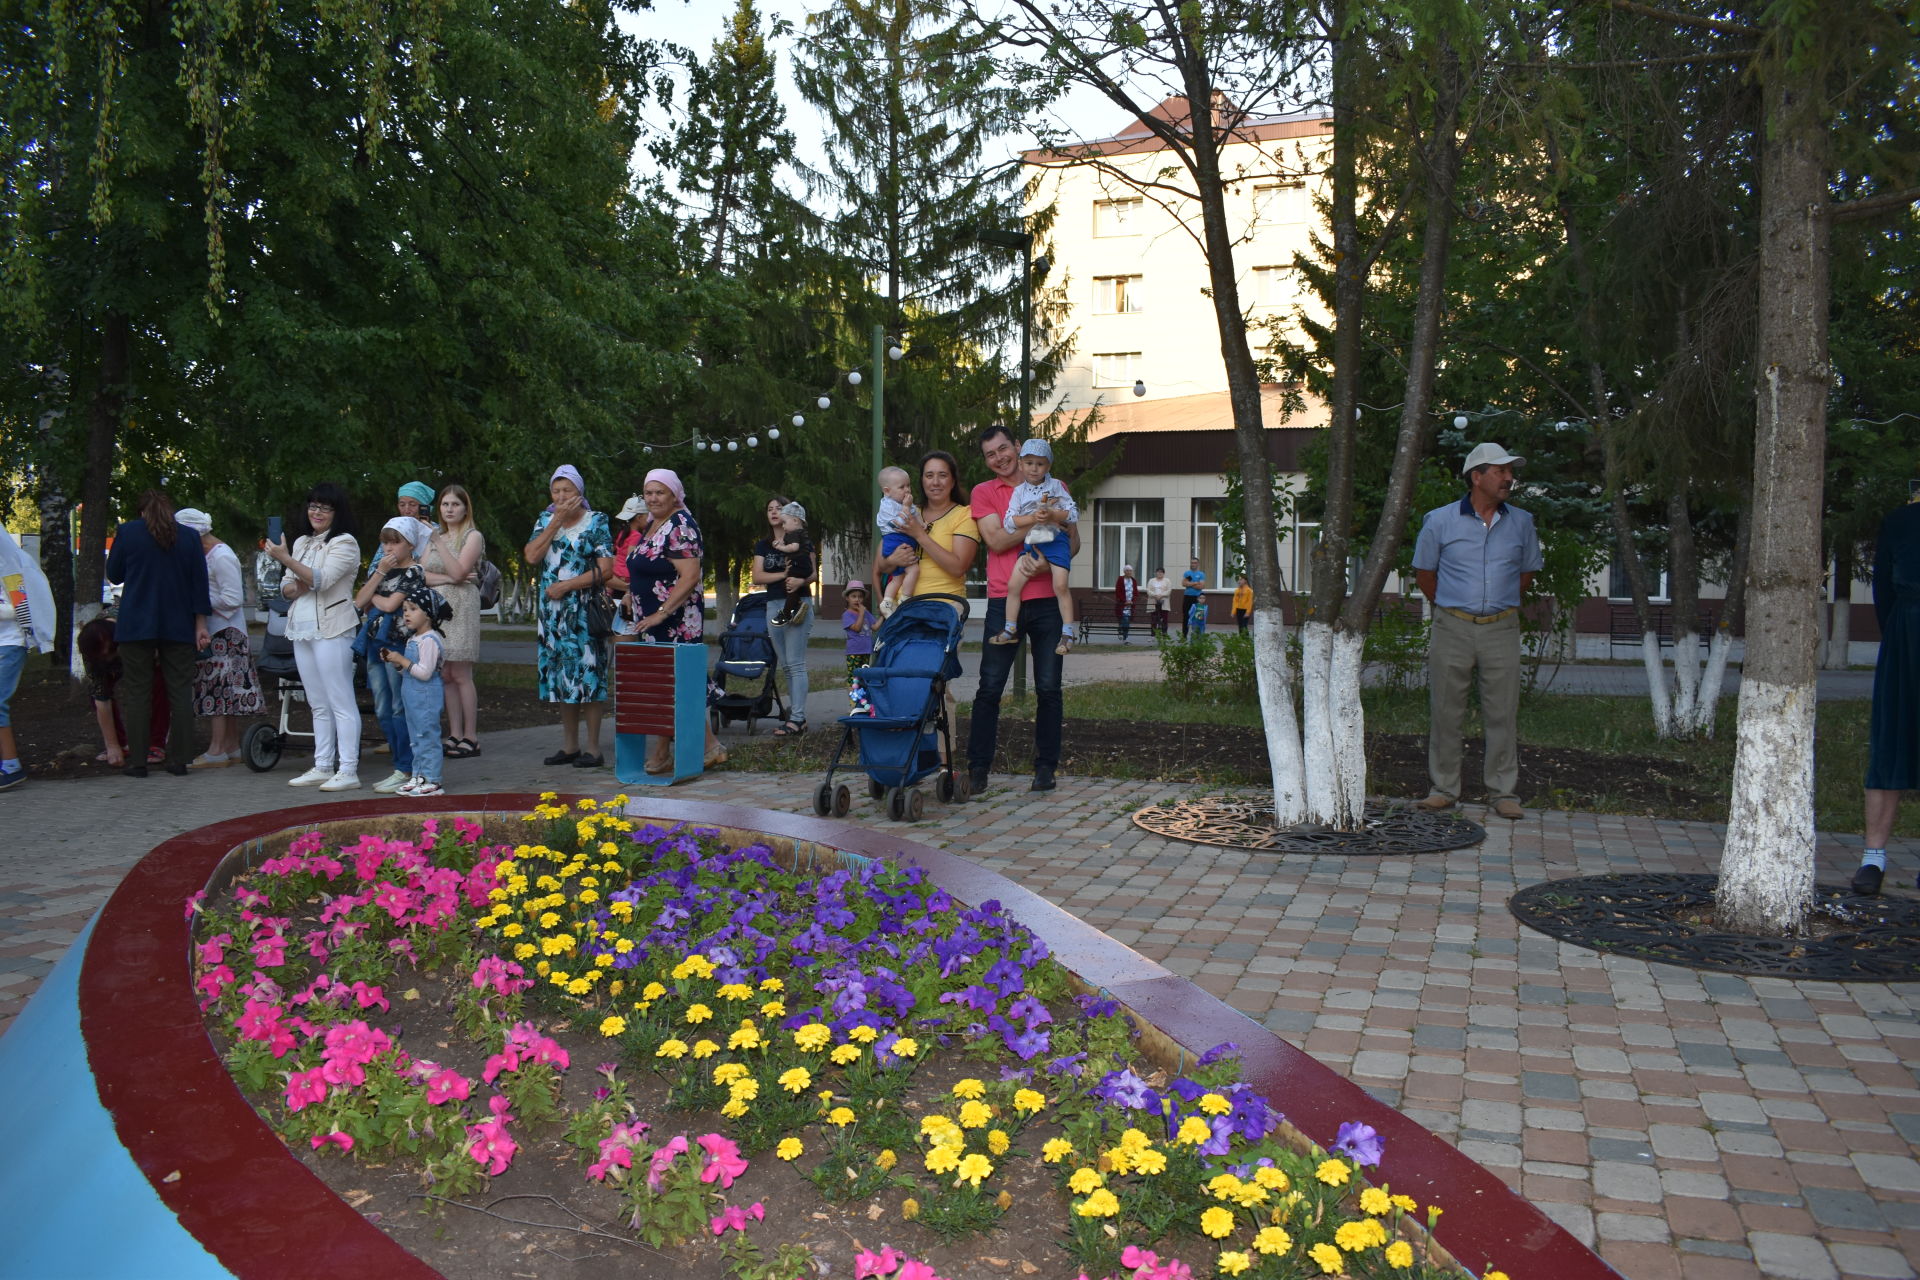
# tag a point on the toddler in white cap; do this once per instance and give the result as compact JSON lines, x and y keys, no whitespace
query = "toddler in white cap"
{"x":1048,"y":548}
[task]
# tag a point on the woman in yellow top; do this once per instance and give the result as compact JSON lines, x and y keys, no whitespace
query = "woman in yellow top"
{"x":1243,"y":603}
{"x":943,"y":530}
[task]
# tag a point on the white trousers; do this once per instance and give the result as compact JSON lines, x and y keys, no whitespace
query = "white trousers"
{"x":326,"y":671}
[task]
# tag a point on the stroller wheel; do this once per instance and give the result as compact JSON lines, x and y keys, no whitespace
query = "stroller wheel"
{"x":842,"y":800}
{"x":823,"y":800}
{"x":260,"y":748}
{"x":916,"y":805}
{"x":713,"y":719}
{"x":962,"y":787}
{"x":897,"y":804}
{"x":944,"y":786}
{"x":876,"y":791}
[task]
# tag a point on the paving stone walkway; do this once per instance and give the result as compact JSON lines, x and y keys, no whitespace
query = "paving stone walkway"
{"x":1688,"y":1125}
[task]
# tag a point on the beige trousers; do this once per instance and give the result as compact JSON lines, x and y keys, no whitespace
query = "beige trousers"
{"x":1456,"y":648}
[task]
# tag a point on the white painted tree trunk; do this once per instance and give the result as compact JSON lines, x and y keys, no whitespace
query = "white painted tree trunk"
{"x":1657,"y":692}
{"x":1316,"y":716}
{"x":1766,"y":871}
{"x":1706,"y":706}
{"x":1349,"y":723}
{"x":1840,"y":634}
{"x":1276,"y":714}
{"x":1686,"y":682}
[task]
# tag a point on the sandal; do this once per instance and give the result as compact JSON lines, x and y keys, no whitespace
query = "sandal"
{"x":460,"y":749}
{"x":791,"y":729}
{"x":469,"y":748}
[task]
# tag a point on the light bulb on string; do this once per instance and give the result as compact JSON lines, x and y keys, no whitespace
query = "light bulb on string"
{"x":825,"y":402}
{"x":799,"y":421}
{"x":733,"y":446}
{"x":753,"y":442}
{"x":773,"y":433}
{"x":853,"y":379}
{"x":894,"y":353}
{"x":1459,"y":422}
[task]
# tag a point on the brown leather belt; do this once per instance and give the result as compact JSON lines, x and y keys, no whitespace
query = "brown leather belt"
{"x":1478,"y":619}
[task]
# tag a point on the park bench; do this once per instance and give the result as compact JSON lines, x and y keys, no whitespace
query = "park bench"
{"x":1624,"y":625}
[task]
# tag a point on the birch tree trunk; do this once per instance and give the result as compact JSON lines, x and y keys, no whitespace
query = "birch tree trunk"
{"x":1766,"y":871}
{"x":1707,"y":708}
{"x":1839,"y":654}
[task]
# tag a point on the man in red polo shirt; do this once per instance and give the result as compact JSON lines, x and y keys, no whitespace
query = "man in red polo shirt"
{"x":1039,"y":626}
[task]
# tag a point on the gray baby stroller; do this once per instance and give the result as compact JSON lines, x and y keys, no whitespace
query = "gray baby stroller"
{"x":263,"y":744}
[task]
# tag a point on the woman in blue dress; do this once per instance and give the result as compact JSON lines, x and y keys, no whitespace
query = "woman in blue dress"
{"x":1893,"y":736}
{"x":573,"y":546}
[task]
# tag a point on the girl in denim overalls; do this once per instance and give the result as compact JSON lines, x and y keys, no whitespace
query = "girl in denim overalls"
{"x":423,"y":691}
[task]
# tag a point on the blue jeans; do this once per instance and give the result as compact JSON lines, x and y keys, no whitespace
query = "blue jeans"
{"x":13,"y":660}
{"x":390,"y":711}
{"x":1040,"y":627}
{"x":421,"y":702}
{"x":790,"y":643}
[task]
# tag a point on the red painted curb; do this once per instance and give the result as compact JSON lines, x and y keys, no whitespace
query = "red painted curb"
{"x":236,"y":1188}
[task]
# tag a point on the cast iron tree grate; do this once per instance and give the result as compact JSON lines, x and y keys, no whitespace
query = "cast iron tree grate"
{"x":1387,"y":830}
{"x":1667,"y":919}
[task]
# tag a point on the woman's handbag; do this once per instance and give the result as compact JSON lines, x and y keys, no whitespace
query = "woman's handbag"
{"x":599,"y":607}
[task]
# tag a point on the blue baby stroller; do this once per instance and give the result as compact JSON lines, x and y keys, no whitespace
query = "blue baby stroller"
{"x":915,"y":653}
{"x":747,"y":660}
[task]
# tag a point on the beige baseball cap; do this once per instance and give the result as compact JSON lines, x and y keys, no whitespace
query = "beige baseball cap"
{"x":1490,"y":455}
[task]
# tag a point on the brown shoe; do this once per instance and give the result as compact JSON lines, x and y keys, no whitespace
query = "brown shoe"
{"x":1509,"y":808}
{"x":1435,"y":802}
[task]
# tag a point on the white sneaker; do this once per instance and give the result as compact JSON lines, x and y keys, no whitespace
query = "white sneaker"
{"x":345,"y":780}
{"x":406,"y":788}
{"x":423,"y":787}
{"x":395,"y":781}
{"x":311,"y":778}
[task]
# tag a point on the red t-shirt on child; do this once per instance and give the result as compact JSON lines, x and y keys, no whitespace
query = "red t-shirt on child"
{"x":992,"y":499}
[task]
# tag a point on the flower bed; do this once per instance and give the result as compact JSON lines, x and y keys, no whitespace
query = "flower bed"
{"x":854,"y":1027}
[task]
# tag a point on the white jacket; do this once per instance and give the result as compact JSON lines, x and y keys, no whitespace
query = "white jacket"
{"x":327,"y":610}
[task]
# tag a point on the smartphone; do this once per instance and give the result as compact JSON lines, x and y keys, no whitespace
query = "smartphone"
{"x":274,"y":527}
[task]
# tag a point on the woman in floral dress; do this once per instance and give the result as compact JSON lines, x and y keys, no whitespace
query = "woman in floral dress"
{"x":664,"y":569}
{"x":574,"y":549}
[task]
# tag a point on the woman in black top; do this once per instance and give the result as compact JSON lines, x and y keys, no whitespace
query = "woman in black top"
{"x":785,"y":575}
{"x":164,"y":606}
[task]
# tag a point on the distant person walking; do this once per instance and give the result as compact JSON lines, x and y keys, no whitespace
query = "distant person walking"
{"x":1474,"y":561}
{"x":1243,"y":605}
{"x":1126,"y":593}
{"x":225,"y":689}
{"x":164,"y":607}
{"x":26,"y":625}
{"x":1192,"y":583}
{"x":1893,"y":736}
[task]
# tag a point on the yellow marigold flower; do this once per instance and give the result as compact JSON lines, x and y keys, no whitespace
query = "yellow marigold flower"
{"x":745,"y":1089}
{"x":812,"y":1037}
{"x":1028,"y":1101}
{"x":623,"y":945}
{"x":728,"y":1072}
{"x":933,"y":1125}
{"x":1375,"y":1201}
{"x":1271,"y":1178}
{"x":909,"y":1208}
{"x":735,"y":991}
{"x":698,"y":1013}
{"x":523,"y":951}
{"x":1217,"y":1222}
{"x":642,"y":1006}
{"x":1134,"y":1140}
{"x":886,"y":1159}
{"x":589,"y":804}
{"x":1223,"y":1186}
{"x":772,"y":984}
{"x":1329,"y":1259}
{"x":671,"y":1049}
{"x":1101,"y":1204}
{"x":734,"y":1108}
{"x":513,"y":929}
{"x":942,"y":1159}
{"x":694,"y":966}
{"x":504,"y":867}
{"x":1194,"y":1131}
{"x":974,"y":1168}
{"x":1150,"y":1162}
{"x":970,"y":1089}
{"x":1400,"y":1255}
{"x":543,"y":968}
{"x":624,"y":910}
{"x":579,"y":987}
{"x":844,"y":1053}
{"x":1363,"y":1234}
{"x":1085,"y":1179}
{"x":773,"y":1009}
{"x":975,"y":1115}
{"x":1232,"y":1262}
{"x":745,"y":1038}
{"x":1404,"y":1204}
{"x":589,"y":896}
{"x":840,"y":1117}
{"x":705,"y":1048}
{"x":864,"y":1034}
{"x":613,"y":1026}
{"x":547,"y":883}
{"x":798,"y":1080}
{"x":789,"y":1148}
{"x":1333,"y":1173}
{"x":1117,"y":1160}
{"x":1496,"y":1275}
{"x":1056,"y":1150}
{"x":548,"y":919}
{"x":652,"y":991}
{"x":603,"y":960}
{"x":905,"y":1047}
{"x":998,"y":1142}
{"x":1004,"y":1200}
{"x":1215,"y":1105}
{"x":1273,"y":1240}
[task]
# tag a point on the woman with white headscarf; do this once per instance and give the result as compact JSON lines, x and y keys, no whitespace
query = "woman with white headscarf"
{"x":663,"y":566}
{"x":224,"y":686}
{"x":573,"y":546}
{"x":26,"y":624}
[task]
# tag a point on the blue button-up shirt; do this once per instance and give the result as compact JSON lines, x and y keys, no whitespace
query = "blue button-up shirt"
{"x":1477,"y":565}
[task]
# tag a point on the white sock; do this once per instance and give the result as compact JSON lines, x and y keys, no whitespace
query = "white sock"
{"x":1874,"y":858}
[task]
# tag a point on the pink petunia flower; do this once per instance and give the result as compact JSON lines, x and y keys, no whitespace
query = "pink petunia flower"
{"x":446,"y":1084}
{"x":304,"y":1087}
{"x":725,"y":1163}
{"x":492,"y":1146}
{"x":342,"y":1140}
{"x":868,"y":1263}
{"x":369,"y":996}
{"x":734,"y":1218}
{"x":914,"y":1269}
{"x":663,"y":1159}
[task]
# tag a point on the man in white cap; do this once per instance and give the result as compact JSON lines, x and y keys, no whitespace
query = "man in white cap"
{"x":1474,"y":561}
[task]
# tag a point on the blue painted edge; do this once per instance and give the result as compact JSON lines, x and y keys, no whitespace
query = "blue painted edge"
{"x":65,"y":1174}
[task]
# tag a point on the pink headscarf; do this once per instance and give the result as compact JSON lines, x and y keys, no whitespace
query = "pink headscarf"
{"x":670,"y":480}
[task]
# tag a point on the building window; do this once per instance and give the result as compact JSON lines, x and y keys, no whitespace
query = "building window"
{"x":1117,"y":217}
{"x":1620,"y":587}
{"x":1116,"y":295}
{"x":1273,"y":286}
{"x":1132,"y":531}
{"x":1209,"y":542}
{"x":1280,"y":201}
{"x":1115,"y":368}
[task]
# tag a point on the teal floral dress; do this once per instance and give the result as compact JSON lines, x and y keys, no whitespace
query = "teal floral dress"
{"x":573,"y":665}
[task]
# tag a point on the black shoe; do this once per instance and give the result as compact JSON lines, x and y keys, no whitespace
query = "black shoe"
{"x":177,"y":770}
{"x":563,"y":757}
{"x":12,"y":779}
{"x":587,"y":761}
{"x":977,"y":781}
{"x":134,"y":771}
{"x":1042,"y":780}
{"x":1866,"y":881}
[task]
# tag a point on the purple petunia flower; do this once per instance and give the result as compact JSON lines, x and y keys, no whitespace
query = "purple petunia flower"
{"x":1125,"y":1089}
{"x":1361,"y":1142}
{"x":1218,"y":1052}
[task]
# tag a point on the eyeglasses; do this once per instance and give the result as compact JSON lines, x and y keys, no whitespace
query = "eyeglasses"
{"x":320,"y":506}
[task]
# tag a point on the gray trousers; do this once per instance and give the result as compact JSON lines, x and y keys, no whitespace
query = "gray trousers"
{"x":1456,"y":648}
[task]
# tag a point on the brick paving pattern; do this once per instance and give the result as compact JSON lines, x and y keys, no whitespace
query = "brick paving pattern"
{"x":1689,"y":1126}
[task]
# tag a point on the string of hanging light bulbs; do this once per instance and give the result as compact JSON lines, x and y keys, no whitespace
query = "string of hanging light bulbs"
{"x":732,"y":444}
